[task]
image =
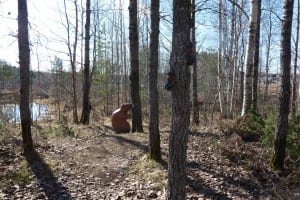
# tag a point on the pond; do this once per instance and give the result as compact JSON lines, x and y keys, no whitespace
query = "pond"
{"x":11,"y":112}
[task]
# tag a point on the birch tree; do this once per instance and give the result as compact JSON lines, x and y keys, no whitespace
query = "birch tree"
{"x":220,"y":60}
{"x":247,"y":96}
{"x":294,"y":89}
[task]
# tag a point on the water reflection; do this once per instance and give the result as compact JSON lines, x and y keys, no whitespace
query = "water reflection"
{"x":11,"y":112}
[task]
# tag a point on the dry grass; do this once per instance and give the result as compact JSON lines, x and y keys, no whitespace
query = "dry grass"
{"x":150,"y":172}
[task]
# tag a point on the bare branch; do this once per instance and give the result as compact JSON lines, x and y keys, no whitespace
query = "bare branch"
{"x":239,"y":7}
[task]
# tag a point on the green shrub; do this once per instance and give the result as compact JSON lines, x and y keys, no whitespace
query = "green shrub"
{"x":267,"y":136}
{"x":249,"y":126}
{"x":18,"y":176}
{"x":62,"y":129}
{"x":22,"y":175}
{"x":293,"y":137}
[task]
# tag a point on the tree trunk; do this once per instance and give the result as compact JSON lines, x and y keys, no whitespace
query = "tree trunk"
{"x":180,"y":100}
{"x":196,"y":105}
{"x":247,"y":96}
{"x":294,"y":91}
{"x":284,"y":96}
{"x":220,"y":60}
{"x":268,"y":48}
{"x":24,"y":59}
{"x":154,"y":140}
{"x":134,"y":73}
{"x":256,"y":59}
{"x":232,"y":55}
{"x":86,"y":106}
{"x":72,"y":57}
{"x":75,"y":114}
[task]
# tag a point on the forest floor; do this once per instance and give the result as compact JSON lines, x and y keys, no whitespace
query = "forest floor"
{"x":96,"y":163}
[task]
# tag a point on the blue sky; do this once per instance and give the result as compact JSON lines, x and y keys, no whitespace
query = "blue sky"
{"x":42,"y":16}
{"x":47,"y":31}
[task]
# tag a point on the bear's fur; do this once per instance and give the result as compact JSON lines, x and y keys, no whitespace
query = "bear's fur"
{"x":119,"y":119}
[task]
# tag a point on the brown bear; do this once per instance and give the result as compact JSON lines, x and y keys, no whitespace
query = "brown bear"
{"x":119,"y":119}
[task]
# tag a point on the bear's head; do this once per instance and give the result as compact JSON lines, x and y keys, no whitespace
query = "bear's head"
{"x":126,"y":107}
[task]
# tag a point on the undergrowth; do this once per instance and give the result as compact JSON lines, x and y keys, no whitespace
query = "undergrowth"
{"x":18,"y":176}
{"x":150,"y":171}
{"x":63,"y":129}
{"x":293,"y":136}
{"x":266,"y":127}
{"x":253,"y":127}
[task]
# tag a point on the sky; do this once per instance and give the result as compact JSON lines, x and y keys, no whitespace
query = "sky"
{"x":47,"y":31}
{"x":42,"y":16}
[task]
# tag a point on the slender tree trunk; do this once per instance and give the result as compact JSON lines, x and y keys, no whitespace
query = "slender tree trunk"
{"x":118,"y":66}
{"x":268,"y":46}
{"x":75,"y":113}
{"x":241,"y":58}
{"x":256,"y":59}
{"x":294,"y":91}
{"x":81,"y":38}
{"x":154,"y":140}
{"x":277,"y":161}
{"x":125,"y":82}
{"x":72,"y":56}
{"x":247,"y":96}
{"x":95,"y":49}
{"x":24,"y":59}
{"x":242,"y":75}
{"x":196,"y":105}
{"x":220,"y":71}
{"x":232,"y":56}
{"x":226,"y":65}
{"x":180,"y":100}
{"x":112,"y":79}
{"x":86,"y":105}
{"x":134,"y":73}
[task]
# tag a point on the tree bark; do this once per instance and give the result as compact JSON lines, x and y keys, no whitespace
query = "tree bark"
{"x":247,"y":96}
{"x":134,"y":73}
{"x":278,"y":157}
{"x":180,"y":100}
{"x":86,"y":105}
{"x":154,"y":137}
{"x":72,"y":57}
{"x":233,"y":56}
{"x":220,"y":60}
{"x":196,"y":105}
{"x":24,"y":59}
{"x":294,"y":90}
{"x":256,"y":59}
{"x":268,"y":48}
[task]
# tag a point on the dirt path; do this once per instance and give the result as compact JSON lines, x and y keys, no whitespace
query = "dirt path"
{"x":99,"y":164}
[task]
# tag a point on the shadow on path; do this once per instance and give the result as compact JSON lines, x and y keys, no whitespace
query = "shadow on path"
{"x":137,"y":144}
{"x":200,"y":187}
{"x":45,"y":178}
{"x":144,"y":148}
